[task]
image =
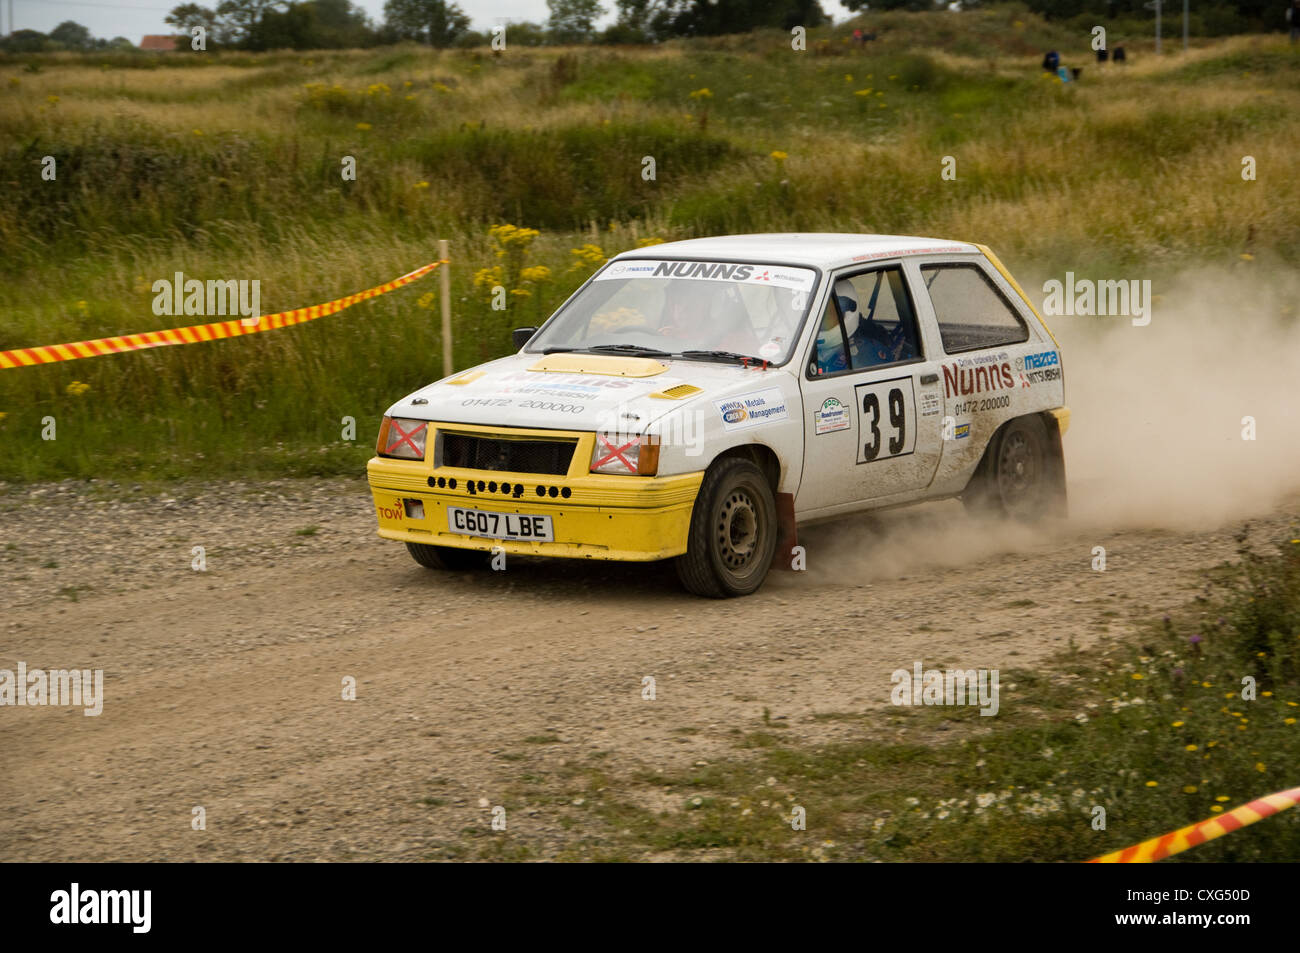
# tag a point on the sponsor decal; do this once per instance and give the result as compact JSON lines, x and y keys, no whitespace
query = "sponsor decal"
{"x":910,"y":251}
{"x":981,"y":404}
{"x":961,"y":431}
{"x":706,"y":269}
{"x":588,"y":382}
{"x":963,"y":381}
{"x":1034,"y":361}
{"x":799,"y":279}
{"x":979,"y":359}
{"x":553,"y":406}
{"x":832,"y":416}
{"x":560,"y":387}
{"x":750,"y":410}
{"x":1039,"y":377}
{"x":930,"y":403}
{"x":486,"y":402}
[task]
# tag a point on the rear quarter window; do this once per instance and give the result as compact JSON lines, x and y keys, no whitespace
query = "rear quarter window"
{"x":971,"y":311}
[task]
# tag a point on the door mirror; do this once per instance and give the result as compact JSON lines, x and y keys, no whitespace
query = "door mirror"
{"x":521,"y":336}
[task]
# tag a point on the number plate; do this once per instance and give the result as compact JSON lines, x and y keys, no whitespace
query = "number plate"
{"x":513,"y":526}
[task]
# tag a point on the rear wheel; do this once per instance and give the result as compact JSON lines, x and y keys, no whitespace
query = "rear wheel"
{"x":446,"y":557}
{"x":1015,"y":478}
{"x":733,"y":532}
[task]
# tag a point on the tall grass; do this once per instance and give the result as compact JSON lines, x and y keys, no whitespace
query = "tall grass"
{"x":228,"y":166}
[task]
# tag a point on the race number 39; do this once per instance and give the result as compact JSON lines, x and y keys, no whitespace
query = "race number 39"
{"x":887,"y":419}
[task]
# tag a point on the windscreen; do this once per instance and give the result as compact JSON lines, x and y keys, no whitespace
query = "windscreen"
{"x":685,"y":306}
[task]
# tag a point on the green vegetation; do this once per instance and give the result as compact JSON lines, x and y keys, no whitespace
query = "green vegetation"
{"x":228,"y":166}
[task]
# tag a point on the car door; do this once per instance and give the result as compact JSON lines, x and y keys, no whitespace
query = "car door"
{"x":996,"y":364}
{"x":872,"y":396}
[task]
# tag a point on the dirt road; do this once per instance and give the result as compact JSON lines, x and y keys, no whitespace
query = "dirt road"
{"x":223,"y":687}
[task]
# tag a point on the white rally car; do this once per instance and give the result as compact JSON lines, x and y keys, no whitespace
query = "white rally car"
{"x":701,"y":400}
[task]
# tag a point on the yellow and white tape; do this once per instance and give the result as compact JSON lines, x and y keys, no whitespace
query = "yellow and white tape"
{"x":1175,"y":842}
{"x":50,"y":353}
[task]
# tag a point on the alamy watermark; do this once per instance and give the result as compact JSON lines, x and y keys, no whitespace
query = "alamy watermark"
{"x":82,"y":688}
{"x":190,"y":296}
{"x":1083,"y":296}
{"x":922,"y":686}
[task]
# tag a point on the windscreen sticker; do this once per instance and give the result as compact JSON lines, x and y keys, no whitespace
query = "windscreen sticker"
{"x":781,"y":276}
{"x":750,"y":410}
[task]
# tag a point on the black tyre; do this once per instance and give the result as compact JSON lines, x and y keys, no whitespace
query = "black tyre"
{"x":733,"y":532}
{"x":446,"y":557}
{"x":1016,"y":477}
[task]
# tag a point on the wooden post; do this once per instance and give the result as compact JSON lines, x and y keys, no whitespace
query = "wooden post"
{"x":445,"y":276}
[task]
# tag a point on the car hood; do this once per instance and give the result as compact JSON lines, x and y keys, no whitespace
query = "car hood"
{"x":573,"y":391}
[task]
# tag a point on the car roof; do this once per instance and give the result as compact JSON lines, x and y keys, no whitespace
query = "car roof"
{"x":820,"y":249}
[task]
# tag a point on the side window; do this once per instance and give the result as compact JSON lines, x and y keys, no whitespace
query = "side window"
{"x":829,"y":355}
{"x":972,"y":313}
{"x":879,"y":322}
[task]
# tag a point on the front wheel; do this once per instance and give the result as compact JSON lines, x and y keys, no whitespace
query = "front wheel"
{"x":733,"y":532}
{"x":446,"y":557}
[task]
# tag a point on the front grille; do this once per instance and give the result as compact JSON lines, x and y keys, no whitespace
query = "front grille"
{"x":514,"y":456}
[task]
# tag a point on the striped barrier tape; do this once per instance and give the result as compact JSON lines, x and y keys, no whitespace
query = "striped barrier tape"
{"x":50,"y":353}
{"x":1175,"y":842}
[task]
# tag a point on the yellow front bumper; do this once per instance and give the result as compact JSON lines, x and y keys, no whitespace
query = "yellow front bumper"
{"x":602,"y":516}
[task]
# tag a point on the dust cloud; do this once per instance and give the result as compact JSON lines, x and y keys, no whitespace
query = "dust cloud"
{"x":1156,"y":436}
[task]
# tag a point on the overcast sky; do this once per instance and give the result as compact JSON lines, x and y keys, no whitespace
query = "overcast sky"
{"x":135,"y":18}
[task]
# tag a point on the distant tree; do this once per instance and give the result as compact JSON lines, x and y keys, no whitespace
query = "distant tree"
{"x":716,"y":17}
{"x":525,"y":33}
{"x":294,"y":27}
{"x":634,"y":23}
{"x":72,"y":36}
{"x":338,"y":14}
{"x":573,"y":21}
{"x":620,"y":33}
{"x":238,"y":18}
{"x":435,"y":22}
{"x":118,"y":43}
{"x":340,"y":24}
{"x":189,"y":15}
{"x":25,"y":41}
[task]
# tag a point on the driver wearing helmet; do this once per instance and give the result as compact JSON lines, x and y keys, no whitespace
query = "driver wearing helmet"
{"x":706,"y":314}
{"x":830,"y":356}
{"x":868,"y":342}
{"x":871,"y":343}
{"x":682,"y":311}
